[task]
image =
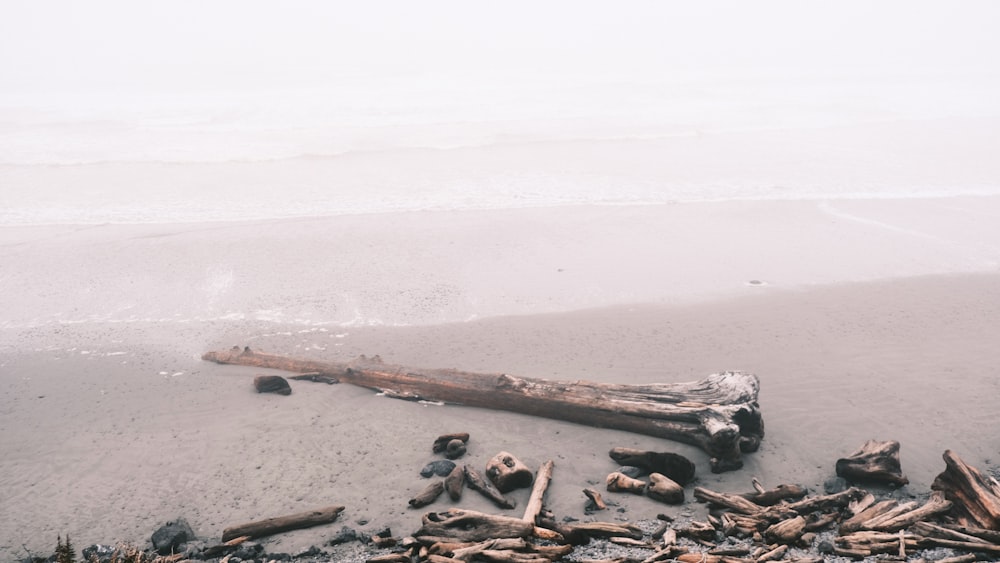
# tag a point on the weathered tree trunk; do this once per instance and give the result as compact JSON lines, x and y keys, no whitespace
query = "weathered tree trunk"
{"x":719,"y":414}
{"x":976,"y":497}
{"x":283,"y":523}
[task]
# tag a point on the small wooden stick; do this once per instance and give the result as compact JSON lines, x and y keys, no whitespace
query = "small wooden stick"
{"x":542,"y":479}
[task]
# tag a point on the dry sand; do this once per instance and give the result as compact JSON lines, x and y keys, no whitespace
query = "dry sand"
{"x":876,"y":319}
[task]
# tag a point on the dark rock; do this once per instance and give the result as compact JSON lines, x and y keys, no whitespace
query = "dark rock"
{"x":272,"y":384}
{"x":313,"y":551}
{"x":247,"y":550}
{"x":835,"y":485}
{"x":277,"y":557}
{"x":825,"y":547}
{"x":169,"y":537}
{"x":194,"y":550}
{"x":632,"y":471}
{"x":102,"y":553}
{"x":343,"y":536}
{"x":441,"y":468}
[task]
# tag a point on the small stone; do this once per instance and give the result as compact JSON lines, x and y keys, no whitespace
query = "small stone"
{"x":825,"y":546}
{"x":455,"y":449}
{"x":633,"y":472}
{"x":311,"y":552}
{"x":102,"y":553}
{"x":343,"y":536}
{"x":247,"y":551}
{"x":170,"y":536}
{"x":835,"y":485}
{"x":272,"y":384}
{"x":441,"y":468}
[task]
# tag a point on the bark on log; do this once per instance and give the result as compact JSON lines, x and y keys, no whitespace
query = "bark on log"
{"x":719,"y":414}
{"x":283,"y":523}
{"x":875,"y":462}
{"x":470,"y":526}
{"x":976,"y":497}
{"x":675,"y":466}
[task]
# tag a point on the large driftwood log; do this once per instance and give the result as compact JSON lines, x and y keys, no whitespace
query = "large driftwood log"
{"x":719,"y":414}
{"x":975,"y":497}
{"x":283,"y":523}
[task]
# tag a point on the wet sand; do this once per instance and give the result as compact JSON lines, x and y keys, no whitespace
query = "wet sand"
{"x":874,"y":319}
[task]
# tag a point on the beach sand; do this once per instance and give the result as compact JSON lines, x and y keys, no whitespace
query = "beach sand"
{"x":873,"y":319}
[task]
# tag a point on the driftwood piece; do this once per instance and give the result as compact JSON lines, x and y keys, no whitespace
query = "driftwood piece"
{"x":508,"y":473}
{"x":936,"y":505}
{"x":580,"y":532}
{"x":428,"y":495}
{"x":478,"y":483}
{"x":664,"y":489}
{"x":537,"y":497}
{"x":280,"y":524}
{"x":719,"y":414}
{"x":975,"y":497}
{"x":787,"y":531}
{"x":455,"y":482}
{"x":596,"y":502}
{"x":768,"y":497}
{"x":441,"y":442}
{"x":675,"y":466}
{"x":621,"y":483}
{"x":855,"y":523}
{"x":735,"y":503}
{"x":469,"y":526}
{"x":875,"y":462}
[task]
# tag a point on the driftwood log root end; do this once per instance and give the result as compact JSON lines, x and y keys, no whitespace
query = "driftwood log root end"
{"x":874,"y":462}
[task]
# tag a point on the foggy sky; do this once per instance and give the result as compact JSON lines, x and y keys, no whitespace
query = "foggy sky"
{"x":116,"y":45}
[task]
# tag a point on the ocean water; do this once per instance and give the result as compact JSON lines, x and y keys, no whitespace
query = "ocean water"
{"x":418,"y":141}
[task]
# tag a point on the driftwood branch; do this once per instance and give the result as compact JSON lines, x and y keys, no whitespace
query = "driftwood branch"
{"x":283,"y":523}
{"x":538,"y":492}
{"x":719,"y":414}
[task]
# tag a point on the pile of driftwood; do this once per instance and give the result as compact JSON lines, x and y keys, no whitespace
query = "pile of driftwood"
{"x":962,"y":514}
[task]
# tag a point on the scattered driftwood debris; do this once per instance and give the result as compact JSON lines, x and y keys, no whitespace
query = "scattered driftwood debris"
{"x":719,"y":414}
{"x":774,"y":524}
